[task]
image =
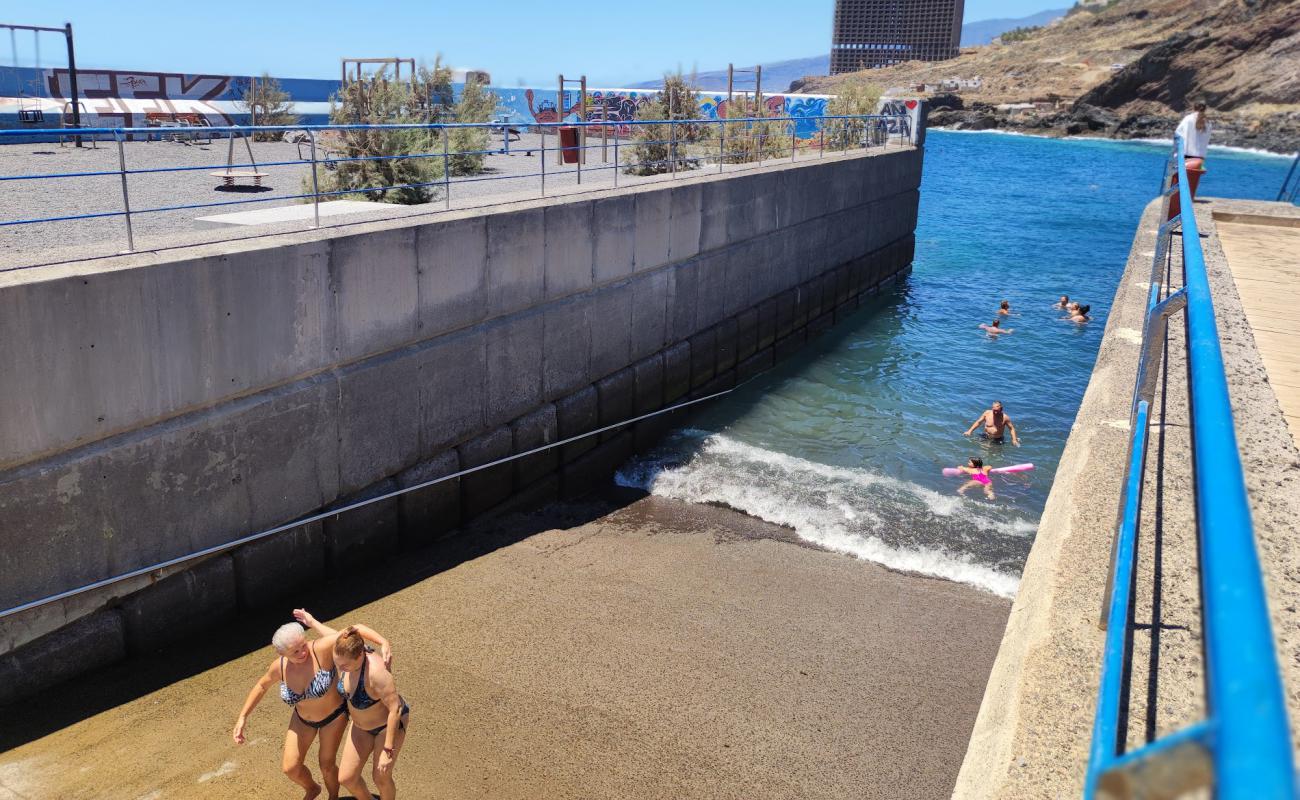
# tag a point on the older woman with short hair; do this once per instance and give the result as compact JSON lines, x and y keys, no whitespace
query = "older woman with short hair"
{"x":308,"y":679}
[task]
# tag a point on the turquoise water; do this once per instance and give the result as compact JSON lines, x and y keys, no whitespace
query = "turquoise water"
{"x":846,"y":442}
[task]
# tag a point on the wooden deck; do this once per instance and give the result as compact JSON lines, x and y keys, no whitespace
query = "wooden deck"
{"x":1264,"y":255}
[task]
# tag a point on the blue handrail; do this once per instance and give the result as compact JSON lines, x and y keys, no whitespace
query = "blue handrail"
{"x":1246,"y":737}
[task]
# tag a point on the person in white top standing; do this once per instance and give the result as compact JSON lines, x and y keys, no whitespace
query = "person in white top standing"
{"x":1195,"y":130}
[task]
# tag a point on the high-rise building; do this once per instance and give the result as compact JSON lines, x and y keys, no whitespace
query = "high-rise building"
{"x":877,"y":33}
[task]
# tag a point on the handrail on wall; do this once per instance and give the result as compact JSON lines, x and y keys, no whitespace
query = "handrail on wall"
{"x":1243,"y":747}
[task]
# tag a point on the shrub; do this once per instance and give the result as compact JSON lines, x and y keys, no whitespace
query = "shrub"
{"x":743,"y":142}
{"x":854,"y":98}
{"x":1020,"y":34}
{"x":476,"y":105}
{"x":654,"y":150}
{"x":270,"y":104}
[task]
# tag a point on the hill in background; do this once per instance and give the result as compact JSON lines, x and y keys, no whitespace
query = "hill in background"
{"x":778,"y":75}
{"x":1128,"y":69}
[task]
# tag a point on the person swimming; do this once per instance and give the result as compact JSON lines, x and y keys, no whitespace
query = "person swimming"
{"x":979,"y":476}
{"x":995,"y":422}
{"x":995,"y":328}
{"x":1081,"y":314}
{"x":1004,"y":310}
{"x":1063,"y":304}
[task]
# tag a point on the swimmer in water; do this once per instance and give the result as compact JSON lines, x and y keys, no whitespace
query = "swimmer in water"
{"x":995,"y":329}
{"x":1004,"y":310}
{"x":1081,"y":314}
{"x":979,"y":476}
{"x":995,"y":421}
{"x":1063,"y":304}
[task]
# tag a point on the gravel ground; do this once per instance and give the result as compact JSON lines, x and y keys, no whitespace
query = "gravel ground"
{"x":516,"y":176}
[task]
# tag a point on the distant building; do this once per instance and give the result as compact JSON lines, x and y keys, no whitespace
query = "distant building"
{"x":877,"y":33}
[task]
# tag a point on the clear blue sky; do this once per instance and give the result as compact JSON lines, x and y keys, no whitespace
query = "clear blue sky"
{"x":515,"y":40}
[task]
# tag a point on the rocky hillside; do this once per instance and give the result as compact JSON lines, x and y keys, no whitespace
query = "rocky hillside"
{"x":1128,"y":70}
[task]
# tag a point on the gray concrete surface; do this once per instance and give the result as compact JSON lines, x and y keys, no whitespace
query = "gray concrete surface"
{"x":651,"y":650}
{"x":1033,"y":732}
{"x":173,"y":401}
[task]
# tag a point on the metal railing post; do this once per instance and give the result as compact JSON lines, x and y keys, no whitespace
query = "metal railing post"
{"x":315,"y":184}
{"x":672,"y":148}
{"x":446,"y":172}
{"x":792,"y":147}
{"x":126,"y":196}
{"x":542,"y":153}
{"x":581,"y":142}
{"x":617,"y":166}
{"x":722,"y":143}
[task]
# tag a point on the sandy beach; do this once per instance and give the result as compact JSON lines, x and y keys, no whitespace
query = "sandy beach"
{"x":625,"y":647}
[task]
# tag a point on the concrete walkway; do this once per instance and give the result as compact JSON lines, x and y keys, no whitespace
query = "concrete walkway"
{"x":659,"y":651}
{"x":1264,"y":255}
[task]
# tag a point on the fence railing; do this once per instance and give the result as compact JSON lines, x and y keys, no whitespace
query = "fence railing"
{"x":671,"y":147}
{"x":1290,"y":191}
{"x":1243,"y":747}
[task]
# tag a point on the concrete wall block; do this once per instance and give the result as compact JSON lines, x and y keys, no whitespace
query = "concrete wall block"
{"x":767,"y":314}
{"x":704,"y":357}
{"x":745,"y":271}
{"x":683,"y":296}
{"x":532,"y":497}
{"x":784,"y":313}
{"x":649,"y":313}
{"x":376,"y":291}
{"x":843,"y":290}
{"x":846,"y":309}
{"x":713,"y":287}
{"x":677,"y":372}
{"x":170,"y":489}
{"x":746,"y":333}
{"x":232,"y":325}
{"x":574,"y":415}
{"x":486,"y":488}
{"x":801,"y":300}
{"x":768,"y":189}
{"x":199,"y":597}
{"x":652,"y":232}
{"x":378,"y":418}
{"x":814,"y":290}
{"x":614,"y":218}
{"x":648,"y":433}
{"x":275,"y":567}
{"x":566,"y":347}
{"x":530,"y":431}
{"x":569,"y":247}
{"x":362,"y":536}
{"x":453,"y":389}
{"x":595,"y":469}
{"x":742,"y":201}
{"x":755,"y":364}
{"x":80,"y":647}
{"x":726,"y":342}
{"x":514,"y":366}
{"x":715,"y":211}
{"x":784,"y":348}
{"x":451,"y":260}
{"x":611,"y":328}
{"x":516,"y":260}
{"x":649,"y":384}
{"x":809,"y":247}
{"x":720,"y":383}
{"x":428,"y":514}
{"x":686,"y":217}
{"x":617,"y":397}
{"x":821,"y":324}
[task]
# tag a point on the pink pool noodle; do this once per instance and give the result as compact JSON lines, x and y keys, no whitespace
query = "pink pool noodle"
{"x":951,"y":471}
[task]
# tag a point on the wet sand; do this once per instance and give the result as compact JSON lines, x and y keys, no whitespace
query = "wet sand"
{"x":643,"y":649}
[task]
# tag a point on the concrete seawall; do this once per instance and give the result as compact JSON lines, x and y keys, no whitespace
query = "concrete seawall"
{"x":161,"y":403}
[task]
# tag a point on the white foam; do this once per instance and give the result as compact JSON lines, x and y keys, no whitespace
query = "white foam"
{"x":817,"y":501}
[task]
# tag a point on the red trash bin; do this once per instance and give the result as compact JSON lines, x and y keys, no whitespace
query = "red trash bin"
{"x":1194,"y":173}
{"x":569,"y":143}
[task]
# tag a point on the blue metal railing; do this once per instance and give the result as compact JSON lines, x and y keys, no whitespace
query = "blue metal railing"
{"x":1243,"y":748}
{"x":1290,"y":191}
{"x":686,"y":142}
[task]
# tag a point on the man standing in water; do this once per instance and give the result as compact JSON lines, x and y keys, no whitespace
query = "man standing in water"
{"x":995,"y":421}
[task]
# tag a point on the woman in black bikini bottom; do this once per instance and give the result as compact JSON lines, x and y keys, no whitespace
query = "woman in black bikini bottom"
{"x":308,"y":679}
{"x":380,"y":717}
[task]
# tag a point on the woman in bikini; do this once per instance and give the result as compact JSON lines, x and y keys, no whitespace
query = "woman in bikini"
{"x":995,"y":329}
{"x":979,"y":476}
{"x":307,"y":675}
{"x":380,"y":717}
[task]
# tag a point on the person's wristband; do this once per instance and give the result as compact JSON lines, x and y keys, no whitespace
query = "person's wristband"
{"x":389,"y":751}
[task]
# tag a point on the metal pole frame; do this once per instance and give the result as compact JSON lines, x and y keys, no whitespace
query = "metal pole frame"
{"x":315,"y":183}
{"x":126,"y":196}
{"x":446,"y":172}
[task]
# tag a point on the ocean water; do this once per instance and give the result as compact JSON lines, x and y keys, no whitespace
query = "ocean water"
{"x":845,"y":442}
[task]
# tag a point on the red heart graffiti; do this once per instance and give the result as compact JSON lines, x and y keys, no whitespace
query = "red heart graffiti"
{"x":911,"y":104}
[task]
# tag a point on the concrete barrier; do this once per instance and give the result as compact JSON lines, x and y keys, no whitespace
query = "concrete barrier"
{"x":169,"y":402}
